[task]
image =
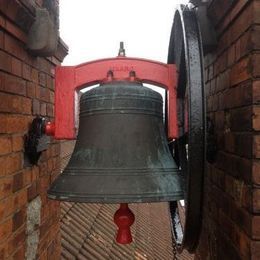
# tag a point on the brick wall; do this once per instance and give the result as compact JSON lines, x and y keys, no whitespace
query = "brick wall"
{"x":29,"y":222}
{"x":231,"y":223}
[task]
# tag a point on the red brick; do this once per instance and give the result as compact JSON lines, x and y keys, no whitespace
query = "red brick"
{"x":51,"y":250}
{"x":43,"y":167}
{"x":6,"y":187}
{"x":256,"y":227}
{"x":10,"y":164}
{"x":13,"y":46}
{"x":238,"y":49}
{"x":256,"y":12}
{"x":14,"y":124}
{"x":52,"y":97}
{"x":6,"y":62}
{"x":236,"y":189}
{"x":256,"y":146}
{"x":19,"y":219}
{"x":44,"y":183}
{"x":18,"y":181}
{"x":26,"y":106}
{"x":43,"y":255}
{"x":223,"y":81}
{"x":229,"y":142}
{"x":5,"y":229}
{"x":241,"y":119}
{"x":235,"y":166}
{"x":26,"y":71}
{"x":256,"y":118}
{"x":42,"y":79}
{"x":15,"y":104}
{"x":255,"y":249}
{"x":243,"y":145}
{"x":233,"y":210}
{"x":221,"y":64}
{"x":34,"y":75}
{"x":50,"y":110}
{"x":49,"y":82}
{"x":36,"y":107}
{"x":30,"y":89}
{"x":224,"y":248}
{"x":50,"y":165}
{"x":1,"y":39}
{"x":16,"y":67}
{"x":255,"y":65}
{"x":18,"y":239}
{"x":5,"y":145}
{"x":3,"y":250}
{"x":239,"y":72}
{"x":35,"y":173}
{"x":238,"y":96}
{"x":49,"y":236}
{"x":20,"y":199}
{"x":256,"y":92}
{"x":27,"y":176}
{"x":32,"y":191}
{"x":16,"y":31}
{"x":14,"y":85}
{"x":6,"y":208}
{"x":237,"y":237}
{"x":43,"y":94}
{"x":215,"y":103}
{"x":20,"y":253}
{"x":231,"y":55}
{"x":218,"y":178}
{"x":256,"y":170}
{"x":245,"y":44}
{"x":55,"y":150}
{"x":45,"y":227}
{"x":255,"y":37}
{"x":243,"y":22}
{"x":39,"y":2}
{"x":44,"y":65}
{"x":43,"y":109}
{"x":17,"y":143}
{"x":256,"y":200}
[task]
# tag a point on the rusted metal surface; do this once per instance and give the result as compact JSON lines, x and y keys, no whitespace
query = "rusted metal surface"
{"x":185,"y":50}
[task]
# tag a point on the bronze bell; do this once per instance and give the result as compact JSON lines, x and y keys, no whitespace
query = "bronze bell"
{"x":121,"y":153}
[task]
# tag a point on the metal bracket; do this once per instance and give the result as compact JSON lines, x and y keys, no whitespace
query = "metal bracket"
{"x":69,"y":80}
{"x":36,"y":140}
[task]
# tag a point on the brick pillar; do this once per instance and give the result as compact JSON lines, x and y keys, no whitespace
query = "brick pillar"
{"x":29,"y":222}
{"x":231,"y":223}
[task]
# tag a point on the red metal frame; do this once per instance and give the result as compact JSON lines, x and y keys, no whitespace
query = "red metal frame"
{"x":69,"y":80}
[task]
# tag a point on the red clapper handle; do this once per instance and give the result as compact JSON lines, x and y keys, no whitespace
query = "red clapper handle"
{"x":124,"y":218}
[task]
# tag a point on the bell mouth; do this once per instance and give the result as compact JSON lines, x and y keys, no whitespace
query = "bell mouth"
{"x":141,"y":187}
{"x":112,"y":200}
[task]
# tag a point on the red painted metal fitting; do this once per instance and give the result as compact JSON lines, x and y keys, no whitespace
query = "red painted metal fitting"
{"x":50,"y":128}
{"x":124,"y":218}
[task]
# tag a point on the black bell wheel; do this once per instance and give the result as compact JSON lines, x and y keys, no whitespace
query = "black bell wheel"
{"x":185,"y":51}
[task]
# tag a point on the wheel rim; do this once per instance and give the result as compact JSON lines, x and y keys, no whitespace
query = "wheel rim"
{"x":185,"y":50}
